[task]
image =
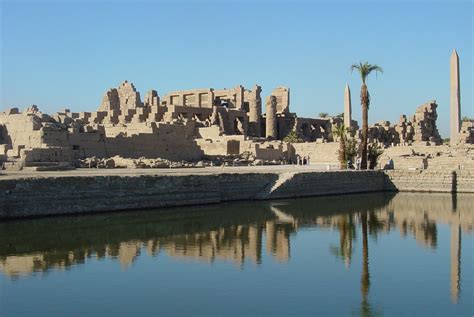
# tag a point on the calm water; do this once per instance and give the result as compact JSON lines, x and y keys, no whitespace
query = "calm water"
{"x":376,"y":254}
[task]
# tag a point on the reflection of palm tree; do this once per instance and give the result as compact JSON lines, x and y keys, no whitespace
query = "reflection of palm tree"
{"x":347,"y":233}
{"x":372,"y":226}
{"x":365,"y":279}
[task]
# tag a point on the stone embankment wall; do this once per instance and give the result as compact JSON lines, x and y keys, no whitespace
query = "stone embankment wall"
{"x":84,"y":194}
{"x":461,"y":181}
{"x":24,"y":197}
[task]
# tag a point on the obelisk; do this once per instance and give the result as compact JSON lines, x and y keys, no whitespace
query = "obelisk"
{"x":455,"y":103}
{"x":347,"y":107}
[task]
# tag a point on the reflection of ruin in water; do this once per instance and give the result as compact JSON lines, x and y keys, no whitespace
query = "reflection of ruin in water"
{"x":235,"y":232}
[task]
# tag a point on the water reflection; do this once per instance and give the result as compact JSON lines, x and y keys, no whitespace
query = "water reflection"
{"x":238,"y":233}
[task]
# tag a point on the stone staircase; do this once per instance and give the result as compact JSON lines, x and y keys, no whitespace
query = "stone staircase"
{"x":451,"y":163}
{"x":267,"y":192}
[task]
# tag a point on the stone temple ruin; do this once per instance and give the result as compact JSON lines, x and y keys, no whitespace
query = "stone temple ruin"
{"x":421,"y":127}
{"x":182,"y":125}
{"x":189,"y":125}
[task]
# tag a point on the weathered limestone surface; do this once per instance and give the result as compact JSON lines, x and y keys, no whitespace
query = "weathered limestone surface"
{"x":465,"y":181}
{"x":122,"y":98}
{"x":430,"y":181}
{"x":466,"y":135}
{"x":282,"y":98}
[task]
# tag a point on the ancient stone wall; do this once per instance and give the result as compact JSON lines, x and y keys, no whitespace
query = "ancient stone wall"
{"x":54,"y":195}
{"x":282,"y":95}
{"x":319,"y":153}
{"x":122,"y":98}
{"x":22,"y":197}
{"x":464,"y":181}
{"x":466,"y":135}
{"x":421,"y":127}
{"x":34,"y":136}
{"x":424,"y":122}
{"x":404,"y":180}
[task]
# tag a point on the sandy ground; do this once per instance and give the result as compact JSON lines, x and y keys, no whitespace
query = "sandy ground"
{"x":165,"y":171}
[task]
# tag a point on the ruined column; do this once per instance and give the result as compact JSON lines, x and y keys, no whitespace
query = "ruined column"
{"x":239,"y":97}
{"x":255,"y":111}
{"x":347,"y":107}
{"x":455,"y":98}
{"x":271,"y":122}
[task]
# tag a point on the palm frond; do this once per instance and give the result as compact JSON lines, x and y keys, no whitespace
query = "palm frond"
{"x":354,"y":66}
{"x":365,"y":69}
{"x":340,"y":130}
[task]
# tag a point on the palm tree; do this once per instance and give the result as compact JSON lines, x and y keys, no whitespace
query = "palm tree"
{"x":364,"y":71}
{"x":341,"y":132}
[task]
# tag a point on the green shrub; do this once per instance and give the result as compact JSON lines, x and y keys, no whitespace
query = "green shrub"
{"x":292,"y":137}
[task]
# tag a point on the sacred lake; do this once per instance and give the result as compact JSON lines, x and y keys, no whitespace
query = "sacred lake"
{"x":365,"y":254}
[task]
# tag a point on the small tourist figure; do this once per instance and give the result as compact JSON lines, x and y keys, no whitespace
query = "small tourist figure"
{"x":349,"y":164}
{"x":389,"y":165}
{"x":298,"y":159}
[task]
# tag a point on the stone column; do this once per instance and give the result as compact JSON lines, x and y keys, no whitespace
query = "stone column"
{"x":255,"y":111}
{"x":347,"y":107}
{"x":271,"y":122}
{"x":455,"y":98}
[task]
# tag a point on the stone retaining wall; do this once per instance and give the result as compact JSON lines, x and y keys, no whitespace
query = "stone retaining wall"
{"x":26,"y":197}
{"x":465,"y":181}
{"x":83,"y":194}
{"x":420,"y":181}
{"x":461,"y":181}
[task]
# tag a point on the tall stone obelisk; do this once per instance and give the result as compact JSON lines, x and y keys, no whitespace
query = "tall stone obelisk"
{"x":455,"y":103}
{"x":347,"y":107}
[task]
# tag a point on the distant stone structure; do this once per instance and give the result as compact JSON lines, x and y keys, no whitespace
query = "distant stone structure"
{"x":455,"y":101}
{"x":194,"y":124}
{"x":420,"y":128}
{"x":123,"y":98}
{"x":271,"y":122}
{"x":347,"y":107}
{"x":466,"y":135}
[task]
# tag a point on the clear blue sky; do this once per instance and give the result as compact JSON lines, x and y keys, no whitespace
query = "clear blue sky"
{"x":59,"y":54}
